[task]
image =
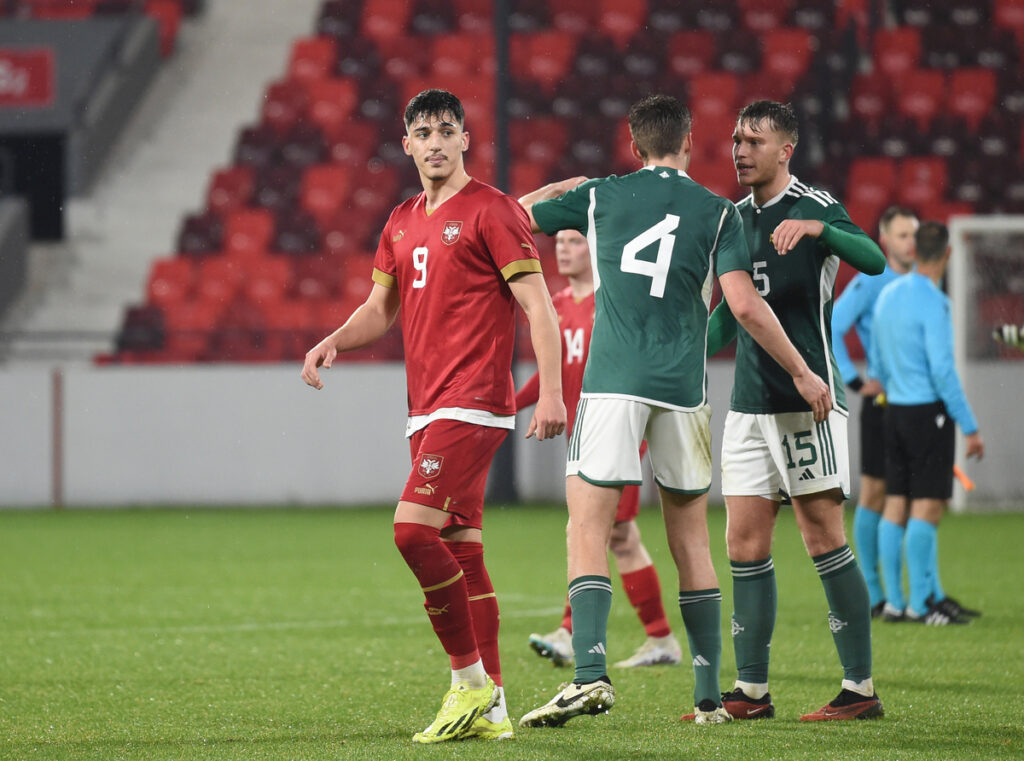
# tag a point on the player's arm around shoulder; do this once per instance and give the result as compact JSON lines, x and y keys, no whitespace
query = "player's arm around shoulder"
{"x":530,"y":290}
{"x":370,"y":321}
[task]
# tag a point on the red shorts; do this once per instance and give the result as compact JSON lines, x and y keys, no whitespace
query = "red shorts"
{"x":450,"y":462}
{"x":629,"y":502}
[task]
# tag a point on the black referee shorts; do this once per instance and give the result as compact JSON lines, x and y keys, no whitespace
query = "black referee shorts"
{"x":872,"y":438}
{"x":920,"y":444}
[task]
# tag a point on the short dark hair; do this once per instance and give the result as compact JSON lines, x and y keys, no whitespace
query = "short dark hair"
{"x":658,"y":124}
{"x":778,"y":117}
{"x":931,"y":241}
{"x":434,"y":104}
{"x":891,"y":213}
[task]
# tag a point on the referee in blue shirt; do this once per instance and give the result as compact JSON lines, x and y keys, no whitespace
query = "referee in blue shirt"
{"x":912,"y":351}
{"x":853,"y":311}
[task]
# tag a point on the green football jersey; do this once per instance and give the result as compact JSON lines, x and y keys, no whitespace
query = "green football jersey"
{"x":656,"y":240}
{"x":800,"y":288}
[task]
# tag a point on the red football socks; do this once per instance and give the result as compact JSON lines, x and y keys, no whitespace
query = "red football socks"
{"x":644,"y":592}
{"x":483,"y":604}
{"x":444,"y":586}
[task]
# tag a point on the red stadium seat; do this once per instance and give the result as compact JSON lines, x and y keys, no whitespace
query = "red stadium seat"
{"x":1010,"y":15}
{"x":312,"y":58}
{"x":355,"y":144}
{"x":714,"y":94}
{"x":870,"y":98}
{"x":764,"y":15}
{"x":325,"y":187}
{"x":540,"y":140}
{"x":385,"y":19}
{"x":620,"y":20}
{"x":921,"y":180}
{"x":248,"y":231}
{"x":786,"y":52}
{"x":268,"y":280}
{"x":766,"y":84}
{"x":289,"y":329}
{"x":545,"y":57}
{"x":170,"y":281}
{"x":230,"y":189}
{"x":473,"y":17}
{"x":921,"y":94}
{"x":971,"y":94}
{"x":189,"y":327}
{"x":461,"y":56}
{"x":690,"y":52}
{"x":870,"y":183}
{"x":318,"y":276}
{"x":576,"y":16}
{"x":283,"y":105}
{"x":897,"y":51}
{"x":219,"y":279}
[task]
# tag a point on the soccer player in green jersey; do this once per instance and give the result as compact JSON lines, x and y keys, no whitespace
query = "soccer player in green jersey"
{"x":657,"y":239}
{"x":773,"y":448}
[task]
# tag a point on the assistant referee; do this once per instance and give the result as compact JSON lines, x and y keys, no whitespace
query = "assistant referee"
{"x":913,"y":353}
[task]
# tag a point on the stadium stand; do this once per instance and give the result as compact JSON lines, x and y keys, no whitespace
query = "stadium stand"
{"x":901,"y":101}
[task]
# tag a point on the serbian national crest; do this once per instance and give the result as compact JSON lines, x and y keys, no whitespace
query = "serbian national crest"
{"x":430,"y":465}
{"x":451,"y":232}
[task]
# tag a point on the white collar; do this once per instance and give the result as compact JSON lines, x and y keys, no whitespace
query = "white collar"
{"x":680,"y":172}
{"x":776,"y":199}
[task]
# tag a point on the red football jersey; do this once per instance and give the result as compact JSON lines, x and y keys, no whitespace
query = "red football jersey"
{"x":458,"y":313}
{"x":576,"y":323}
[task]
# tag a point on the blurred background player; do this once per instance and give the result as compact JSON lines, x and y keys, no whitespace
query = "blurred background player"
{"x":912,"y":351}
{"x":575,"y":307}
{"x":658,"y":239}
{"x":456,"y":258}
{"x":853,"y":309}
{"x":1011,"y":335}
{"x":774,"y":447}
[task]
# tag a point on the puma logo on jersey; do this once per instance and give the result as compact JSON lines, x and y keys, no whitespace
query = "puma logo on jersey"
{"x":398,"y":237}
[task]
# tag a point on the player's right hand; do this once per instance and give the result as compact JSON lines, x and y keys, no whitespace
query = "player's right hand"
{"x":975,"y":445}
{"x":815,"y":392}
{"x":321,"y":355}
{"x":548,"y":419}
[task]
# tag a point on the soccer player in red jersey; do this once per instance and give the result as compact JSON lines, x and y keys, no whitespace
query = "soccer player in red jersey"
{"x":575,"y":307}
{"x":456,"y":258}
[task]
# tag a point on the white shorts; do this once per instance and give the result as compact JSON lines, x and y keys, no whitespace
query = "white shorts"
{"x":785,"y":455}
{"x":605,"y":443}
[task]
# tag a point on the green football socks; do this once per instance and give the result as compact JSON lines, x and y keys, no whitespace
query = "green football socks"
{"x":702,"y":616}
{"x":755,"y":601}
{"x":849,"y":615}
{"x":591,"y":600}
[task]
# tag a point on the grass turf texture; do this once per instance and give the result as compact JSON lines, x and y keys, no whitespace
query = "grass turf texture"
{"x":300,"y":635}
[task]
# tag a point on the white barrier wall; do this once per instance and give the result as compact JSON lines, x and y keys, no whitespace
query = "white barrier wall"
{"x":236,"y":435}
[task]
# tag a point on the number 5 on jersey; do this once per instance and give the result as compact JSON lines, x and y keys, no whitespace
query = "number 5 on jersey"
{"x":419,"y":262}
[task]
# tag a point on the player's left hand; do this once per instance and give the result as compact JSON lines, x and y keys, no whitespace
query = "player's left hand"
{"x":790,"y":231}
{"x":548,"y":419}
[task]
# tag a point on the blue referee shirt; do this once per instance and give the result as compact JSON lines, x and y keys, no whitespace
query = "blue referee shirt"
{"x":912,"y":348}
{"x":853,"y":309}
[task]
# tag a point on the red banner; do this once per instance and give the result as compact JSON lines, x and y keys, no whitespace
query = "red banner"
{"x":26,"y":77}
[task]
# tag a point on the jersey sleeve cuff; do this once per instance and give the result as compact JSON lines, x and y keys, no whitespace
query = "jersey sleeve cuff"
{"x":383,"y":278}
{"x":517,"y":268}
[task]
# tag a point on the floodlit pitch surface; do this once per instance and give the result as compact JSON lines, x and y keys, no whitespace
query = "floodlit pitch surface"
{"x":276,"y":634}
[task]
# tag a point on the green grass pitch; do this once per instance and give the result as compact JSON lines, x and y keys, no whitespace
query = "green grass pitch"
{"x":300,"y":634}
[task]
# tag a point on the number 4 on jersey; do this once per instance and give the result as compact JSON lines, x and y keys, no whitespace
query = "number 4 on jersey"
{"x":657,"y":270}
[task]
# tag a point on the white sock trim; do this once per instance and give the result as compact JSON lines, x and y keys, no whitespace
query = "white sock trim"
{"x":473,"y":673}
{"x":865,"y":688}
{"x":755,"y":690}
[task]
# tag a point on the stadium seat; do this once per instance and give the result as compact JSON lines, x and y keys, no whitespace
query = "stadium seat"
{"x":540,"y":140}
{"x":739,"y":52}
{"x":766,"y":84}
{"x":248,"y":231}
{"x":296,"y":232}
{"x":312,"y":58}
{"x":358,"y":58}
{"x":526,"y":16}
{"x":432,"y":17}
{"x":354,"y":145}
{"x":170,"y":281}
{"x":786,"y":52}
{"x":219,"y":279}
{"x":456,"y":57}
{"x":230,"y":188}
{"x":545,"y":57}
{"x":669,"y":16}
{"x":644,"y":58}
{"x":239,"y":335}
{"x":317,"y":277}
{"x":324,"y":189}
{"x":268,"y":279}
{"x":289,"y":329}
{"x":188,"y":328}
{"x":201,"y":234}
{"x":870,"y":183}
{"x":720,"y":17}
{"x":897,"y":50}
{"x":384,"y":19}
{"x":920,"y":95}
{"x":575,"y":16}
{"x":303,"y":145}
{"x":142,"y":330}
{"x":473,"y":17}
{"x":870,"y":98}
{"x":690,"y":53}
{"x":972,"y":94}
{"x":815,"y":15}
{"x":277,"y":187}
{"x":338,"y":19}
{"x":714,"y":94}
{"x":921,"y":180}
{"x":620,"y":20}
{"x":284,"y":103}
{"x":922,"y":13}
{"x":331,"y":103}
{"x":257,"y":146}
{"x":763,"y":15}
